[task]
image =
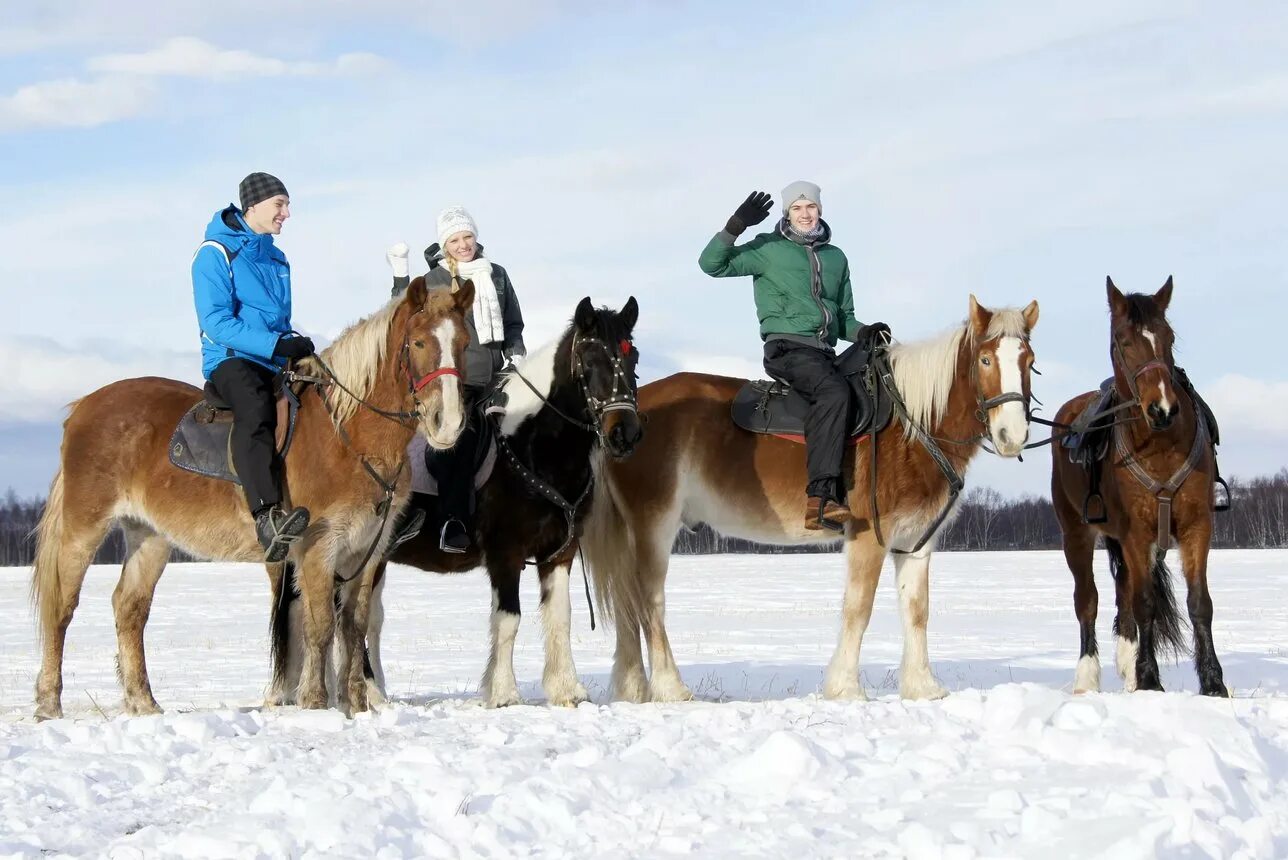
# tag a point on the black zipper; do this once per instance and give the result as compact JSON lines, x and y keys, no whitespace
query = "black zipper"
{"x":816,"y":288}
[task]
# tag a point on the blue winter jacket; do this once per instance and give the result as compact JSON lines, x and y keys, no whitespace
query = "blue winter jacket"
{"x":244,"y":306}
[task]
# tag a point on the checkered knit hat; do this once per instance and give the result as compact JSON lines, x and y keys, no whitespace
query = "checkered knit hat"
{"x":258,"y":187}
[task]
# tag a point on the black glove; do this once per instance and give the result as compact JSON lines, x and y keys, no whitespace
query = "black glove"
{"x":289,"y":346}
{"x":752,"y":211}
{"x":872,"y":335}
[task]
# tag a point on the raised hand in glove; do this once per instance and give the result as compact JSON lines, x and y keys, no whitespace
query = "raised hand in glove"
{"x":289,"y":346}
{"x":752,"y":211}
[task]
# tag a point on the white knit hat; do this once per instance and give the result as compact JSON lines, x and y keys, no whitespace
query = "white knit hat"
{"x":452,"y":220}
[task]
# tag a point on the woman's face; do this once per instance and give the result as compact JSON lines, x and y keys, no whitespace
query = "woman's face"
{"x":461,"y":246}
{"x":803,"y":215}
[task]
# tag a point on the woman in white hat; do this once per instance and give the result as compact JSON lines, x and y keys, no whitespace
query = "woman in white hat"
{"x":496,"y":335}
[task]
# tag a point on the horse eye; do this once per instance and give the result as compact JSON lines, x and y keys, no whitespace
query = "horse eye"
{"x":984,"y":361}
{"x":419,"y":344}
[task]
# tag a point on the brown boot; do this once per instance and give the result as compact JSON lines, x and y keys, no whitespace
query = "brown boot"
{"x":825,"y":514}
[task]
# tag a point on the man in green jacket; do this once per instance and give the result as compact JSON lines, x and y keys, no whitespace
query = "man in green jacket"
{"x":801,"y":284}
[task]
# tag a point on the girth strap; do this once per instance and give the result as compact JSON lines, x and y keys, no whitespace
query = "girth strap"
{"x":1163,"y":492}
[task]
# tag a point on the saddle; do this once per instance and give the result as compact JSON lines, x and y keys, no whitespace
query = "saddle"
{"x":201,"y":443}
{"x":772,"y":407}
{"x":484,"y":458}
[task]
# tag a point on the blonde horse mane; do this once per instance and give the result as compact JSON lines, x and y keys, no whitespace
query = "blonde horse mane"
{"x":355,"y":357}
{"x":924,"y":371}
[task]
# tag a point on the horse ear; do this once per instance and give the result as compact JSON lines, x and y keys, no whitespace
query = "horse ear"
{"x":416,"y":293}
{"x":464,"y":297}
{"x":980,"y":317}
{"x":584,"y":317}
{"x":1163,"y":297}
{"x":1030,"y":314}
{"x":630,"y":314}
{"x":1117,"y":301}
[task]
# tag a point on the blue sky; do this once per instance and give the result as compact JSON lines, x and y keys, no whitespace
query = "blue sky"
{"x":1001,"y":148}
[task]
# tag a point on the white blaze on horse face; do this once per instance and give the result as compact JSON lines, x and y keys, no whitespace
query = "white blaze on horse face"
{"x":1010,"y":416}
{"x":452,"y":415}
{"x":1164,"y":402}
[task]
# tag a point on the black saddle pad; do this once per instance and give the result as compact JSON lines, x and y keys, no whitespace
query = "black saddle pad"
{"x":1088,"y":441}
{"x":201,"y":441}
{"x":762,"y":406}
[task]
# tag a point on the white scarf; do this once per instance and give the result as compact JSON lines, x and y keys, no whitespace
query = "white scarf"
{"x":487,"y":307}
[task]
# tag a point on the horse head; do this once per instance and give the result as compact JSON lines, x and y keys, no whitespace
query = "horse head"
{"x":1141,"y":350}
{"x":1001,"y":368}
{"x":430,"y":325}
{"x":604,"y":361}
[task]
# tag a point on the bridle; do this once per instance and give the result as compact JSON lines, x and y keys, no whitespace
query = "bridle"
{"x":1121,"y":365}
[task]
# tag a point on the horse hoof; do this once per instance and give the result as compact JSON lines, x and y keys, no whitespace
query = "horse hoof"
{"x":679,"y":693}
{"x":48,"y":713}
{"x":143,"y":709}
{"x":504,"y":700}
{"x":923,"y":692}
{"x":846,"y":694}
{"x":578,"y":696}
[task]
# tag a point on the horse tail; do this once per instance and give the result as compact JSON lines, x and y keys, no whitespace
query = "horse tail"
{"x":279,"y":626}
{"x":46,"y":584}
{"x":1169,"y":626}
{"x":609,"y":546}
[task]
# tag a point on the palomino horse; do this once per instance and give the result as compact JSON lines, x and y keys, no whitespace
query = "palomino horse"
{"x":1157,"y":483}
{"x":695,"y":466}
{"x":573,"y":397}
{"x":394,"y":372}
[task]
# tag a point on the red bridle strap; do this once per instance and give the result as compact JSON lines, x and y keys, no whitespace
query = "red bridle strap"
{"x":417,"y":385}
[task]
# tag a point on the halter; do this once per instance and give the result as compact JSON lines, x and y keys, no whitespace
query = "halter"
{"x":622,"y":398}
{"x":1152,"y":364}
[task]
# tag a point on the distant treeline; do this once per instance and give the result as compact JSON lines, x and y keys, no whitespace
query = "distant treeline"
{"x":986,"y":521}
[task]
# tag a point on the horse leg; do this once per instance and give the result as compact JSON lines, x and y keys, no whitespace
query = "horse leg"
{"x":499,"y":687}
{"x":1138,"y":555}
{"x":1194,"y":558}
{"x":912,"y":575}
{"x":317,"y":605}
{"x":1079,"y":555}
{"x":377,"y":692}
{"x":629,"y":682}
{"x":355,"y":600}
{"x":65,"y":549}
{"x":864,"y":557}
{"x":559,"y":680}
{"x":665,"y":683}
{"x":146,"y":556}
{"x":1126,"y":634}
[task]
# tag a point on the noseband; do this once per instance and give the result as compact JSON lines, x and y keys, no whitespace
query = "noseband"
{"x":622,"y":397}
{"x":1152,"y":364}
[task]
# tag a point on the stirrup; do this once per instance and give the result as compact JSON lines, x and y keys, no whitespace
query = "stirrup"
{"x":442,"y":538}
{"x":1221,"y":501}
{"x":1086,"y":510}
{"x":827,"y":525}
{"x":410,"y":527}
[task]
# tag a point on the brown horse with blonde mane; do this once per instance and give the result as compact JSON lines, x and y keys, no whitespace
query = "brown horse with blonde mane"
{"x":384,"y":379}
{"x":1155,"y":471}
{"x":695,"y":466}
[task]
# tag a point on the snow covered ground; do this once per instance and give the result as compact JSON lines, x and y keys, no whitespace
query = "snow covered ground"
{"x":1009,"y":765}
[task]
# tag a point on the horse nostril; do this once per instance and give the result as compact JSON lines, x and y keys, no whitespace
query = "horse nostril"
{"x":1172,"y":413}
{"x":1005,"y":436}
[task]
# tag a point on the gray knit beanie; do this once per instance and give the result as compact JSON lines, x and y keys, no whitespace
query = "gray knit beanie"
{"x":802,"y":190}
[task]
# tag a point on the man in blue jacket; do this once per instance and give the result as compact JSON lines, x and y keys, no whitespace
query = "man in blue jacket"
{"x":241,"y":284}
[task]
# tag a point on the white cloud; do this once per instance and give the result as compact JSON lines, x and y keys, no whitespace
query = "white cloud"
{"x":1249,"y":407}
{"x":74,"y":103}
{"x":39,"y":377}
{"x":185,"y":56}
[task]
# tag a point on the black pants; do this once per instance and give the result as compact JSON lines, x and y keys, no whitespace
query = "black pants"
{"x":251,"y":390}
{"x":809,"y":371}
{"x":453,"y":469}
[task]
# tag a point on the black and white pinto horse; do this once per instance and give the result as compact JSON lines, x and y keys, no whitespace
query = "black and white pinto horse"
{"x":550,"y":417}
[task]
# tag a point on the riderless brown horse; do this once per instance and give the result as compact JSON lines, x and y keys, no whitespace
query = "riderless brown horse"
{"x":694,"y":465}
{"x":384,"y":379}
{"x":1156,"y":483}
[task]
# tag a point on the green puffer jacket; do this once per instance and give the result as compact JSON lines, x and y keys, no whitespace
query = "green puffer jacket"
{"x":788,"y":300}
